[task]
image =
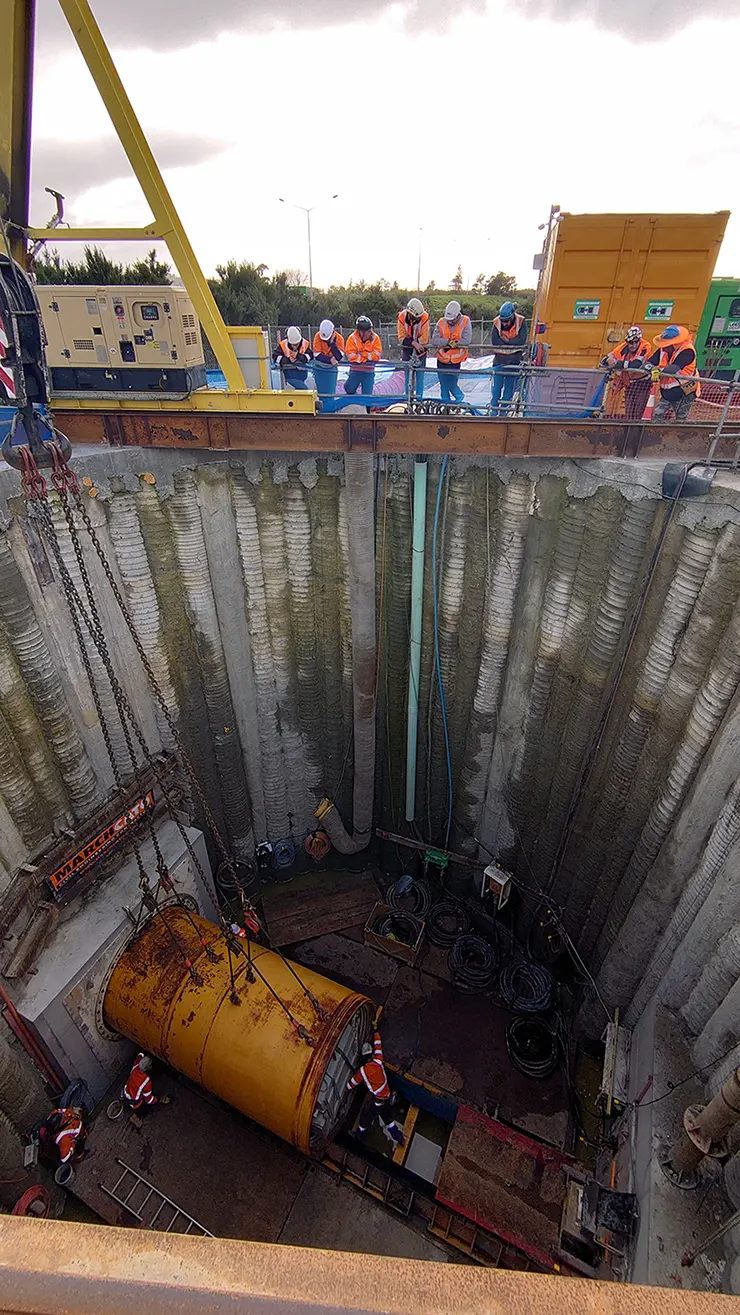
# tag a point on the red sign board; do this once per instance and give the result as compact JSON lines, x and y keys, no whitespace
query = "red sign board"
{"x":100,"y":846}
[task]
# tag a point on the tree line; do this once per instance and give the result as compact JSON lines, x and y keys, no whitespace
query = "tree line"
{"x":246,"y":294}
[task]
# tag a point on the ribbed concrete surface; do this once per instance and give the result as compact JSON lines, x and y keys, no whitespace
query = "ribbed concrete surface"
{"x":237,"y":573}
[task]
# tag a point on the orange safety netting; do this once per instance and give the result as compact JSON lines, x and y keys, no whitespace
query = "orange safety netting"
{"x":635,"y":400}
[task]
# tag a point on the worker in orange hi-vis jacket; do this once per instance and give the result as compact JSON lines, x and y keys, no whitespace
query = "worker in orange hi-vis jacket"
{"x":627,"y":361}
{"x":138,"y":1090}
{"x":413,"y":338}
{"x":377,"y":1102}
{"x":68,"y":1130}
{"x":363,"y":349}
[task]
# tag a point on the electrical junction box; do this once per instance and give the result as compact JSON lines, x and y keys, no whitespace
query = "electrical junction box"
{"x":612,"y":1097}
{"x":123,"y":339}
{"x":496,"y":881}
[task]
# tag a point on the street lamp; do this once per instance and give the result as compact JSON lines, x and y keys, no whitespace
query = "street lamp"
{"x":307,"y":212}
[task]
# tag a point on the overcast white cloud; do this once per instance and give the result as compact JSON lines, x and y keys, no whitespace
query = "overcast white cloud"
{"x":524,"y":102}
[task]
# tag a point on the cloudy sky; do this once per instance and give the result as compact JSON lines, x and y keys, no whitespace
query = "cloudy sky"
{"x":464,"y":120}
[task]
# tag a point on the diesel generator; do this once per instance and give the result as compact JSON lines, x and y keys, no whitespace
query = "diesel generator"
{"x":125,"y":339}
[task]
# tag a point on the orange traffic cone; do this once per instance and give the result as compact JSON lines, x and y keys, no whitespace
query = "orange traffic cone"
{"x":650,"y":404}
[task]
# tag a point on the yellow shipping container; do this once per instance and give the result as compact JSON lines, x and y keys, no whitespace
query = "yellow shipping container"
{"x":605,"y":272}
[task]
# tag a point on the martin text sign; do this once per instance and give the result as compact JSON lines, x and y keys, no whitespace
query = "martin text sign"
{"x":101,"y":845}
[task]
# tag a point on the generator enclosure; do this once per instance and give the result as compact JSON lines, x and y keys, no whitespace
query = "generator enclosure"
{"x":603,"y":273}
{"x":718,"y":339}
{"x":124,"y":339}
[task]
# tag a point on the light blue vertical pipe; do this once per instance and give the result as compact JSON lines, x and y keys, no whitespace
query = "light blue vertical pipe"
{"x":417,"y":599}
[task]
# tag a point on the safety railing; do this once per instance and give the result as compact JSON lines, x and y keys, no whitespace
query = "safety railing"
{"x":523,"y":391}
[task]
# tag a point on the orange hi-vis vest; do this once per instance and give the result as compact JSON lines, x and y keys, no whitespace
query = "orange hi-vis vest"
{"x":66,"y":1138}
{"x":643,"y":351}
{"x":138,"y":1089}
{"x":373,"y":1074}
{"x":292,"y":352}
{"x":626,"y":377}
{"x":689,"y":385}
{"x":321,"y":347}
{"x":515,"y":327}
{"x":417,"y":332}
{"x":456,"y":352}
{"x":363,"y":353}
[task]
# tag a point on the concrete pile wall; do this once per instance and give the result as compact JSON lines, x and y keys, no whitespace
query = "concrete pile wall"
{"x":239,"y":576}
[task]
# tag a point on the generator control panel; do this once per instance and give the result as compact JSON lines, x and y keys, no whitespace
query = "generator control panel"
{"x":718,"y":339}
{"x":129,"y":339}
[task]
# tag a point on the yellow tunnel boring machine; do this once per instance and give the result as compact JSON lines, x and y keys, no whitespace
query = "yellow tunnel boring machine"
{"x":251,"y":1056}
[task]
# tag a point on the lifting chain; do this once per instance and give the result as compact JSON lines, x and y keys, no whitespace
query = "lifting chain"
{"x":64,"y":479}
{"x":66,"y":485}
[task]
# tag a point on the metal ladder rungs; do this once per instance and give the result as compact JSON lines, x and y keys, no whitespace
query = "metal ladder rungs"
{"x":139,"y":1180}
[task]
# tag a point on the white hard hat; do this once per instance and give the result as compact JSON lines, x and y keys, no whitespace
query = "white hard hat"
{"x":452,"y":310}
{"x":145,"y":1064}
{"x":415,"y":306}
{"x":326,"y":329}
{"x":294,"y":335}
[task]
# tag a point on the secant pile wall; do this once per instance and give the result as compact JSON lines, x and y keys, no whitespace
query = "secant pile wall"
{"x":240,"y":577}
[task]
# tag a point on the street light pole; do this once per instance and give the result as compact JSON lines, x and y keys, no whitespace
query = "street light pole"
{"x":310,"y":262}
{"x":418,"y":267}
{"x":307,"y":212}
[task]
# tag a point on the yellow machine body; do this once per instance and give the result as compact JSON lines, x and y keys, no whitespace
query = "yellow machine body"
{"x":250,"y":1055}
{"x":120,"y":327}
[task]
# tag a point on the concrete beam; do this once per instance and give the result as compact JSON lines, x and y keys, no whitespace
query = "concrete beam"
{"x":49,"y":1267}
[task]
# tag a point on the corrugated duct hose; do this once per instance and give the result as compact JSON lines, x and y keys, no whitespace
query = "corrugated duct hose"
{"x":473,"y":963}
{"x":532,"y":1046}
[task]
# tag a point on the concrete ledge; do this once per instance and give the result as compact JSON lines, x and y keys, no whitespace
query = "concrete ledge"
{"x":47,"y":1268}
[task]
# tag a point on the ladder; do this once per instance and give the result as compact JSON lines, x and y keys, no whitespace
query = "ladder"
{"x":150,"y":1206}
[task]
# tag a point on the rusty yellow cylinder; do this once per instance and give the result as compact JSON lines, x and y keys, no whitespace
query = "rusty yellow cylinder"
{"x":250,"y":1054}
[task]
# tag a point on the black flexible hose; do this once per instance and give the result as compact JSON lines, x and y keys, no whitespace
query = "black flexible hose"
{"x":532,"y":1046}
{"x":525,"y":987}
{"x":472,"y":962}
{"x":236,"y":876}
{"x":446,"y":921}
{"x":402,"y":927}
{"x":415,"y":898}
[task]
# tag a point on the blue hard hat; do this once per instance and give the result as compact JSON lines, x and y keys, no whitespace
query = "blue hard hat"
{"x":507,"y":311}
{"x":672,"y":331}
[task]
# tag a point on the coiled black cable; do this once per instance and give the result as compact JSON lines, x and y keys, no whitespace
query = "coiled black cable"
{"x":235,"y":876}
{"x":472,"y":962}
{"x":525,"y":987}
{"x":532,"y":1046}
{"x":402,"y":927}
{"x":446,"y":921}
{"x":409,"y":897}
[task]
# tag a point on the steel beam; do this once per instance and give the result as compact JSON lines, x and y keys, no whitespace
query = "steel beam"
{"x":148,"y":234}
{"x":16,"y":75}
{"x":166,"y":219}
{"x":245,"y":431}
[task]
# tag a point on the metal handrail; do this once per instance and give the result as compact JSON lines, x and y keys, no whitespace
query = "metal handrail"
{"x":577,"y":392}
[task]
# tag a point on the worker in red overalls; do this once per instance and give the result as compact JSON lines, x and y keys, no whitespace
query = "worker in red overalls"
{"x":138,"y":1090}
{"x":377,"y":1103}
